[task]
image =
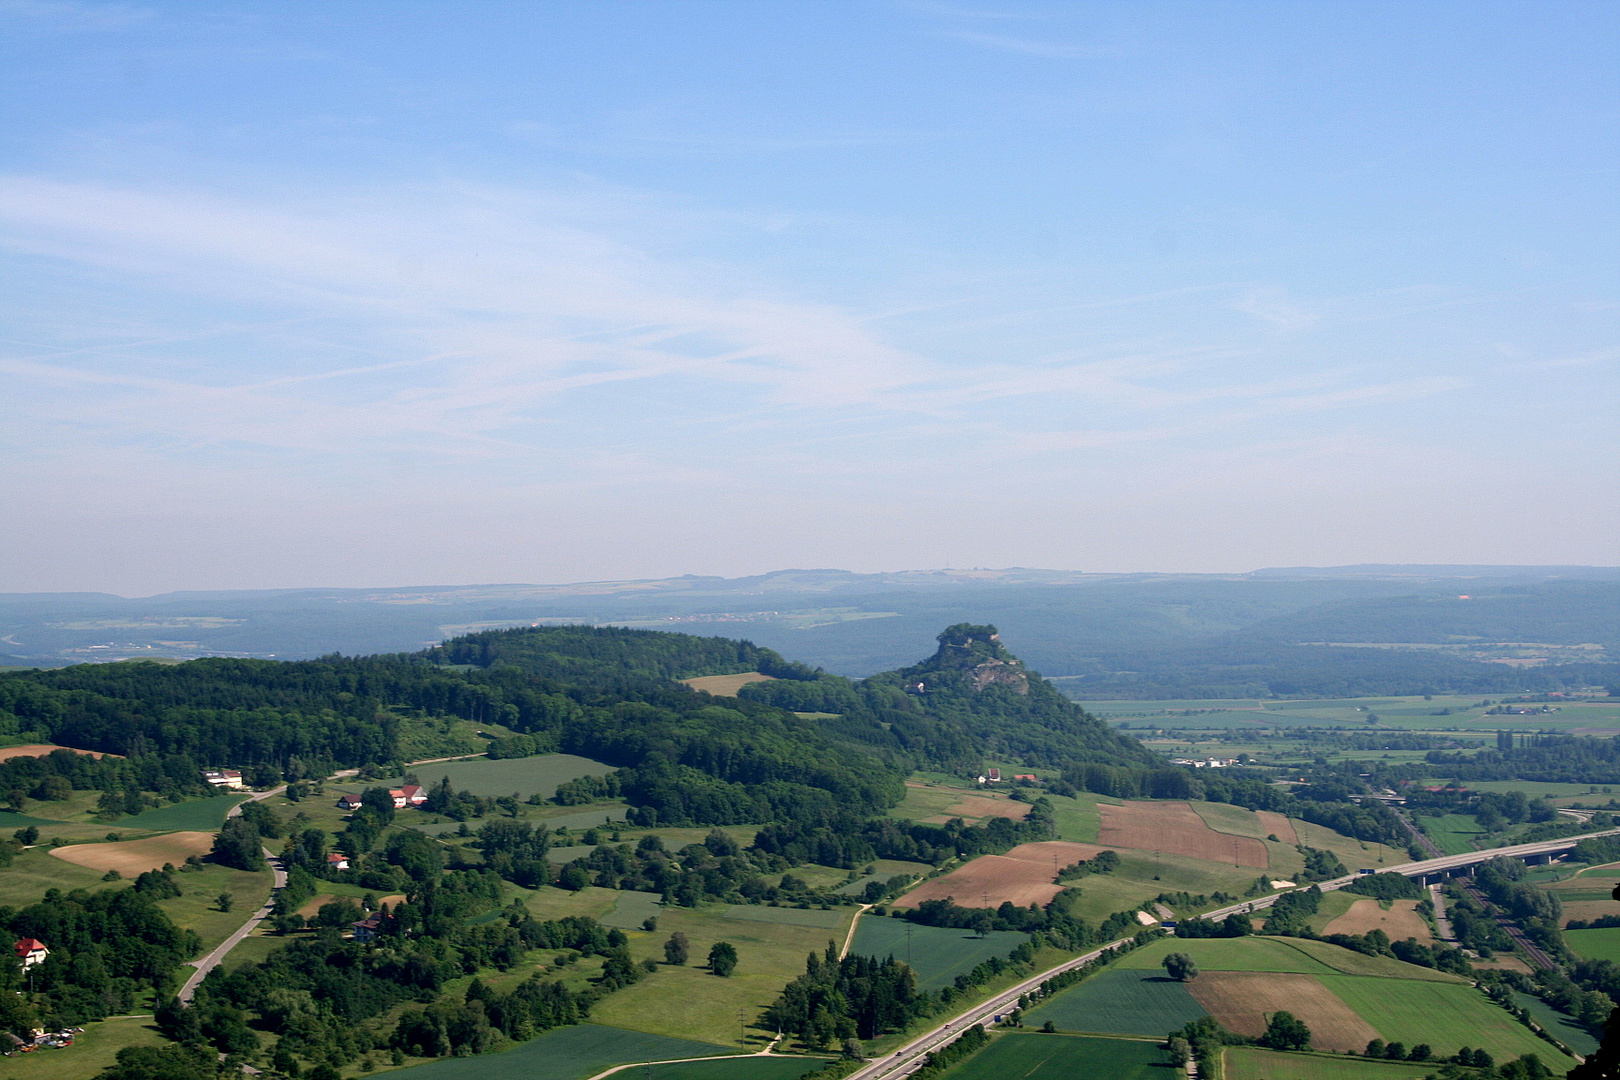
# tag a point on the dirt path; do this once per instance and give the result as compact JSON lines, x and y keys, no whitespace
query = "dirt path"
{"x":849,"y":938}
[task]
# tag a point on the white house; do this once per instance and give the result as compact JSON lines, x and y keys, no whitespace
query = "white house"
{"x":225,"y":778}
{"x":31,"y":951}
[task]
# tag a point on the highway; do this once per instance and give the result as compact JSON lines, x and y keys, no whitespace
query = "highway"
{"x":909,"y":1056}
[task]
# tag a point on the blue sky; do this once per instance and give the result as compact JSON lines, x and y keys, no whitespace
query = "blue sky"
{"x":400,"y":293}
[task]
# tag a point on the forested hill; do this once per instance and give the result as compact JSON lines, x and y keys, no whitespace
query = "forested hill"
{"x":972,"y":699}
{"x":604,"y":693}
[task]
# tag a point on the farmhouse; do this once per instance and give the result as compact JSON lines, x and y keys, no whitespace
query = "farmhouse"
{"x":349,"y":802}
{"x":337,"y":861}
{"x":31,"y":951}
{"x":224,"y":778}
{"x":367,"y":929}
{"x":409,"y":795}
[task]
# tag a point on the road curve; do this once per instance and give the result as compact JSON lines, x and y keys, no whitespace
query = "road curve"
{"x":213,"y":959}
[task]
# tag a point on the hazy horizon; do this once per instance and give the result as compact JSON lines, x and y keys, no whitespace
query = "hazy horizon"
{"x":375,"y":293}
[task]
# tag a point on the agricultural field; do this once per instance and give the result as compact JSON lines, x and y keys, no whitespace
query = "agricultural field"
{"x":828,"y":919}
{"x":937,"y":802}
{"x":938,"y":954}
{"x":1561,"y":1026}
{"x":1025,"y":875}
{"x":1454,"y":834}
{"x":1399,"y":920}
{"x":1063,"y":1057}
{"x":750,"y":1067}
{"x":34,"y":871}
{"x":1231,"y":954}
{"x":197,"y":906}
{"x":1174,"y":828}
{"x":1120,"y":1002}
{"x":1603,"y":944}
{"x":1461,"y":714}
{"x":41,"y":749}
{"x":725,"y":685}
{"x":133,"y":857}
{"x":195,"y":815}
{"x":1253,"y":1063}
{"x":528,"y":776}
{"x":883,"y":870}
{"x":689,"y":1002}
{"x":1243,"y":1001}
{"x":1443,"y":1015}
{"x":569,"y":1053}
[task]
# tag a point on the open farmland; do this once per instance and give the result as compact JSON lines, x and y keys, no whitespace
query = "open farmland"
{"x":979,"y":807}
{"x":1444,"y":1015}
{"x":537,"y":775}
{"x":1399,"y":922}
{"x":1174,"y":827}
{"x":567,"y":1053}
{"x":938,"y":954}
{"x":41,"y":749}
{"x":1601,"y":944}
{"x":1231,"y":954}
{"x":1253,"y":1063}
{"x":688,"y":1001}
{"x":725,"y":685}
{"x":1062,"y":1057}
{"x":1025,"y":875}
{"x":1277,"y":825}
{"x":132,"y":857}
{"x":1121,"y":1002}
{"x":194,"y":815}
{"x":750,"y":1067}
{"x":1243,"y":1001}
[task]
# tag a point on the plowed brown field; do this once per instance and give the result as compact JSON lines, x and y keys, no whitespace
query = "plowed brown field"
{"x":978,"y":807}
{"x":1243,"y":1001}
{"x":1025,"y":875}
{"x":1277,"y":825}
{"x":1173,"y":827}
{"x":134,"y":857}
{"x":1400,"y":922}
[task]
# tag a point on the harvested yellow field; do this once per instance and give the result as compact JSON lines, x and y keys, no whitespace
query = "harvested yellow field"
{"x":725,"y":685}
{"x":1243,"y":1001}
{"x":138,"y":856}
{"x":1400,"y":922}
{"x":41,"y":749}
{"x":1277,"y":825}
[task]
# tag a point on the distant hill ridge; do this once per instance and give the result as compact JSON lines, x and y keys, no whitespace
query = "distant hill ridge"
{"x":604,"y":692}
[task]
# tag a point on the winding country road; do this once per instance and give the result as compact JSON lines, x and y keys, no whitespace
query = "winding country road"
{"x":279,"y":882}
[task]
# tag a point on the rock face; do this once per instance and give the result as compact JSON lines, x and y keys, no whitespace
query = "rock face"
{"x":976,"y":652}
{"x":1009,"y":673}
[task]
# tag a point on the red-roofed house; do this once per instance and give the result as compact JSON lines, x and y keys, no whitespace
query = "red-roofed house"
{"x":349,"y":802}
{"x":337,"y":861}
{"x":31,"y":951}
{"x":414,"y":794}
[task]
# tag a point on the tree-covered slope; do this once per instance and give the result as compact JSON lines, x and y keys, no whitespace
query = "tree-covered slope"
{"x":605,"y":693}
{"x":971,"y":700}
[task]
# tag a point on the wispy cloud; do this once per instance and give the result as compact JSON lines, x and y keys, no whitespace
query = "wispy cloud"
{"x":472,"y":322}
{"x":1052,"y":50}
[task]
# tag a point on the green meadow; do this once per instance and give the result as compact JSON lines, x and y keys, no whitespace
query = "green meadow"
{"x":1120,"y":1002}
{"x":1064,"y":1057}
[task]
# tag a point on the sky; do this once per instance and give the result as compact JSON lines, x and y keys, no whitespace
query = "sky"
{"x":371,"y":294}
